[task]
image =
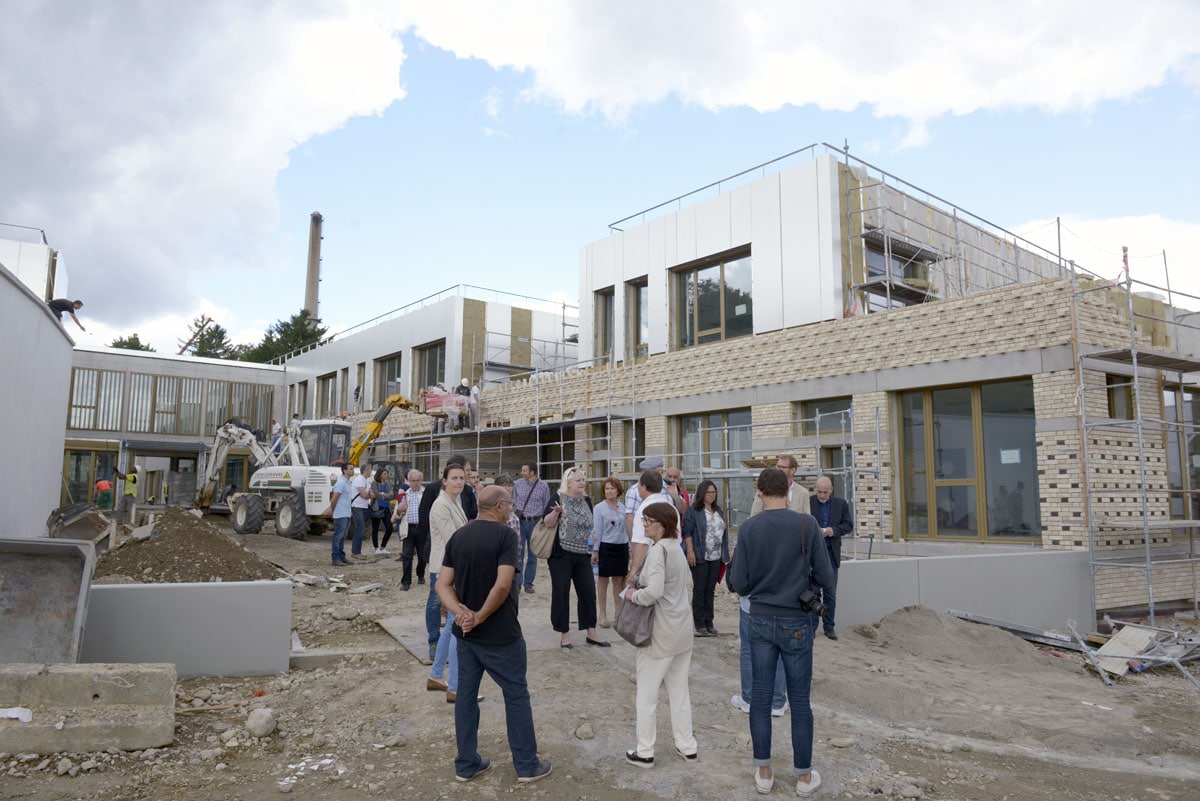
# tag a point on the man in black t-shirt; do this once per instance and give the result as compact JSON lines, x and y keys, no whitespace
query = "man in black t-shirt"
{"x":476,"y":584}
{"x":61,"y":305}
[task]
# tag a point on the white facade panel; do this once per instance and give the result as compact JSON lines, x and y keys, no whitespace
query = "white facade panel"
{"x":29,"y":262}
{"x":713,"y":225}
{"x":802,"y":281}
{"x":741,"y":215}
{"x":766,"y":255}
{"x":685,"y":235}
{"x":635,"y":247}
{"x":587,"y":322}
{"x":34,"y":400}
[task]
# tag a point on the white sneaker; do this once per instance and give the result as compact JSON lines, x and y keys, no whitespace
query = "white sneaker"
{"x":383,"y":552}
{"x":739,"y":703}
{"x":778,"y":713}
{"x":805,"y":789}
{"x":379,"y":551}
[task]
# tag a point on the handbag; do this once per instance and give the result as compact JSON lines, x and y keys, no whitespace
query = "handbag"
{"x":635,"y":623}
{"x":541,"y":540}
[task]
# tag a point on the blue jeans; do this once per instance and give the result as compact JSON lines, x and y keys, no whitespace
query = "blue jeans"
{"x":789,"y":639}
{"x":830,"y":599}
{"x":506,"y":665}
{"x":446,"y":655}
{"x":526,"y":572}
{"x":360,"y":526}
{"x":433,"y":612}
{"x":779,"y":696}
{"x":340,"y":526}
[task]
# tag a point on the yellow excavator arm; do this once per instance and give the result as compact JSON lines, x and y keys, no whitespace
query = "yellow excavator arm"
{"x":374,"y":427}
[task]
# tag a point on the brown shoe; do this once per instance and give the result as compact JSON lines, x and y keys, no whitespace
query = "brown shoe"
{"x":528,"y":588}
{"x":435,"y":685}
{"x":452,"y":697}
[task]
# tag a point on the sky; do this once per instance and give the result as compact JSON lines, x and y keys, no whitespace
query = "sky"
{"x":173,"y":151}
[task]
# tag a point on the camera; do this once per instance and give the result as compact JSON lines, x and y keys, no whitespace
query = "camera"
{"x":812,"y":603}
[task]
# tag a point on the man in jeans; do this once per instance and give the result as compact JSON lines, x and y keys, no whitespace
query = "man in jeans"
{"x":779,"y":564}
{"x":339,"y":502}
{"x":475,"y":583}
{"x":531,"y":496}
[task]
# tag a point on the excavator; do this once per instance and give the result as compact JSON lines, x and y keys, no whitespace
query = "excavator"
{"x":294,"y":481}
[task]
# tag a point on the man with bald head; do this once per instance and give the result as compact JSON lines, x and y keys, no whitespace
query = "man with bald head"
{"x":475,"y":582}
{"x":833,"y":516}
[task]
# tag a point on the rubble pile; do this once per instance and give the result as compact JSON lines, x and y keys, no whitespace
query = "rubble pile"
{"x":182,"y":548}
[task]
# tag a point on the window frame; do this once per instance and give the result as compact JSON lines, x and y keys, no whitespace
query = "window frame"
{"x":684,"y":283}
{"x":382,"y":374}
{"x":605,"y":311}
{"x":420,"y":364}
{"x":100,"y":411}
{"x":810,"y":424}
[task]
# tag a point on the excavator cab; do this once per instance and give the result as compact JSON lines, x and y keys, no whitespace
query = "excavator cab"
{"x":325,"y":441}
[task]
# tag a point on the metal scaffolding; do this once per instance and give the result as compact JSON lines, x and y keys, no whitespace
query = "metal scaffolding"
{"x":1162,"y":529}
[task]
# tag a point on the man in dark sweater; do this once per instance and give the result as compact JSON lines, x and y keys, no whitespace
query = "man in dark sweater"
{"x":780,"y":562}
{"x":475,"y":582}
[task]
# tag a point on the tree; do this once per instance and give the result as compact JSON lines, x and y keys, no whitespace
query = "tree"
{"x":211,"y":342}
{"x":283,"y":337}
{"x":130,"y":342}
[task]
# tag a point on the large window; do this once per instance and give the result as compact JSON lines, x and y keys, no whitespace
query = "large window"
{"x":162,"y":404}
{"x":327,"y":395}
{"x":81,"y":470}
{"x":249,"y":403}
{"x":828,"y":416}
{"x":1120,"y":396}
{"x":1182,"y":407}
{"x":635,"y":442}
{"x":713,"y":302}
{"x":95,"y":400}
{"x":605,"y":321}
{"x":897,"y":273}
{"x":387,"y":378}
{"x":713,"y":442}
{"x":969,"y":461}
{"x":429,"y":365}
{"x":637,"y":315}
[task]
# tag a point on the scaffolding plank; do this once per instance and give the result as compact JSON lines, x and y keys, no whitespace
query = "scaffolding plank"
{"x":1128,"y":640}
{"x":1158,"y":360}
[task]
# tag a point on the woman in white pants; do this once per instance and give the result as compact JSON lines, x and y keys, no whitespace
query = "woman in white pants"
{"x":664,"y":582}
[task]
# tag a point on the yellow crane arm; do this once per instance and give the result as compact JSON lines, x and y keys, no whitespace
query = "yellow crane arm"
{"x":375,"y":427}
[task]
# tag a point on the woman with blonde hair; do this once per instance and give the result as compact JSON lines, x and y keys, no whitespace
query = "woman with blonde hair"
{"x":571,"y":560}
{"x":663,"y":584}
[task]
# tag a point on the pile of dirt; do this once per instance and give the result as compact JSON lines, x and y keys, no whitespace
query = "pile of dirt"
{"x":182,"y":549}
{"x":930,"y":635}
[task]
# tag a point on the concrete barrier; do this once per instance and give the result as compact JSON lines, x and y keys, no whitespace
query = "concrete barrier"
{"x":1039,"y":588}
{"x":79,"y":708}
{"x":232,"y":628}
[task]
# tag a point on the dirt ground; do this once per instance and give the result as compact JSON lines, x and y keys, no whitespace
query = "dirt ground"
{"x":919,"y":705}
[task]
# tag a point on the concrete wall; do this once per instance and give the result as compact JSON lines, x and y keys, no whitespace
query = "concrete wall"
{"x":1042,"y":589}
{"x":234,"y":628}
{"x":36,"y":364}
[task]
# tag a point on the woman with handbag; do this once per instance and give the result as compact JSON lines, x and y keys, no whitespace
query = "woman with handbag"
{"x":706,"y":538}
{"x":570,"y":560}
{"x":668,"y":657}
{"x":380,"y":513}
{"x":610,"y":546}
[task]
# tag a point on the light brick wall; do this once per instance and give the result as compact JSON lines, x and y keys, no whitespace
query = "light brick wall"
{"x":999,"y":321}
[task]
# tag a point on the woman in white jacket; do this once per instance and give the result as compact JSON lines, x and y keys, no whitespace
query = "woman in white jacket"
{"x":664,"y":585}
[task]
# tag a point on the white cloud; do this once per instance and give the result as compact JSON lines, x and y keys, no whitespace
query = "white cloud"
{"x":917,"y":59}
{"x":146,"y":138}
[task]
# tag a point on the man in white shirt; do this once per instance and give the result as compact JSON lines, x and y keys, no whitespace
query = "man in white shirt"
{"x":473,"y":405}
{"x":633,"y":500}
{"x":360,"y":507}
{"x":650,"y":492}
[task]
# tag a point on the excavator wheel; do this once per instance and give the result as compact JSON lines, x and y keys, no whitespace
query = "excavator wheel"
{"x":290,"y":519}
{"x":248,"y":514}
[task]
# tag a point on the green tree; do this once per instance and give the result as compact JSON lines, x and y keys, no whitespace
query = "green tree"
{"x":285,"y":336}
{"x":212,"y":342}
{"x":131,"y":342}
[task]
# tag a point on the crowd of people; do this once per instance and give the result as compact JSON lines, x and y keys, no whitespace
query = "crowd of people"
{"x":652,"y":546}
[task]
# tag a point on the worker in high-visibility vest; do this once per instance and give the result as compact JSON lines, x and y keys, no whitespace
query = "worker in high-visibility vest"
{"x":129,"y":496}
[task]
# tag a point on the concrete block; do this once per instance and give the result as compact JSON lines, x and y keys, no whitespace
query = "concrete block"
{"x":88,"y":707}
{"x":232,"y":628}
